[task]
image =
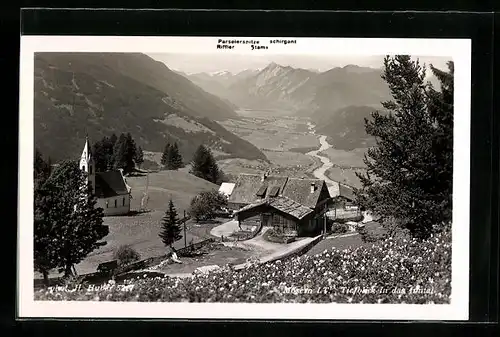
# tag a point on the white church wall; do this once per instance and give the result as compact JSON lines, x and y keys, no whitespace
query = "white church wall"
{"x":108,"y":205}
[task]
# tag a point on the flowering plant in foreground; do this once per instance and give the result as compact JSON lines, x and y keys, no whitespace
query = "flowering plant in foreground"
{"x":391,"y":271}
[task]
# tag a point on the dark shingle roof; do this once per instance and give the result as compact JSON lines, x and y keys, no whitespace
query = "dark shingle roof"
{"x":300,"y":190}
{"x":347,"y":192}
{"x":109,"y":184}
{"x":283,"y":204}
{"x":246,"y":187}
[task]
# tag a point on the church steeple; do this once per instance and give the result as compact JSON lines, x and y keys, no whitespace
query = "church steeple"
{"x":87,"y":163}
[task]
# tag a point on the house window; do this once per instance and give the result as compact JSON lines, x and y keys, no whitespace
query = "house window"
{"x":116,"y":203}
{"x":107,"y":204}
{"x":83,"y":168}
{"x":123,"y":201}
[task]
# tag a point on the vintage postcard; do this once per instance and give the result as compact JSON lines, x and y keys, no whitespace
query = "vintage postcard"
{"x":244,"y":178}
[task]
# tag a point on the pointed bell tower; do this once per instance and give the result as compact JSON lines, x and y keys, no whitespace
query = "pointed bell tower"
{"x":87,"y":164}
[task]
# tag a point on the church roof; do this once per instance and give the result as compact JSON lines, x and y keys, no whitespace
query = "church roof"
{"x":110,"y":184}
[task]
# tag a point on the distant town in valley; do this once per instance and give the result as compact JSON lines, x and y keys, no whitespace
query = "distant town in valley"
{"x":145,"y":169}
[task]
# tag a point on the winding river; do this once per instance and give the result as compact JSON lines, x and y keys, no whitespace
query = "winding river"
{"x":320,"y":172}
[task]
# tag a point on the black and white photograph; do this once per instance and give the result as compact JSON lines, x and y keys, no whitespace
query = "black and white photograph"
{"x":244,"y":177}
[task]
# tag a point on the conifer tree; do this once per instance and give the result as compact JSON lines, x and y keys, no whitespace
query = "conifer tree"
{"x":174,"y":160}
{"x":109,"y":146}
{"x":67,"y":225}
{"x":101,"y":159}
{"x":139,"y":157}
{"x":409,"y":171}
{"x":131,"y":148}
{"x":204,"y":165}
{"x":41,"y":168}
{"x":123,"y":156}
{"x":171,"y":230}
{"x":166,"y":155}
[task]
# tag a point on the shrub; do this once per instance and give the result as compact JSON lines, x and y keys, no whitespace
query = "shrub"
{"x":339,"y":228}
{"x":274,"y":236}
{"x":392,"y":271}
{"x":372,"y":235}
{"x":207,"y":205}
{"x":126,"y":255}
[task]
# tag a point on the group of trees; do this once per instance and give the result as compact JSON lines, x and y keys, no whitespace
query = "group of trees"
{"x":117,"y":152}
{"x":171,"y":158}
{"x":409,"y":177}
{"x":67,"y":225}
{"x":205,"y":166}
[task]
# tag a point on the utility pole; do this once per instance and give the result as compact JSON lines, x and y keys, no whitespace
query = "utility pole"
{"x":324,"y":220}
{"x":185,"y":239}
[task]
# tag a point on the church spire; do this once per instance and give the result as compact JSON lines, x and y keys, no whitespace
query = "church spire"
{"x":86,"y":149}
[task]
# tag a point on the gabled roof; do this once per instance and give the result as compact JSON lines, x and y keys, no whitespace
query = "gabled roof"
{"x":283,"y":204}
{"x":110,"y":184}
{"x":247,"y":186}
{"x":226,"y":188}
{"x":300,"y":190}
{"x":347,"y":192}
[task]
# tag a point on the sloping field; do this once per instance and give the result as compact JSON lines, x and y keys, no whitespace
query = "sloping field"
{"x":141,"y":231}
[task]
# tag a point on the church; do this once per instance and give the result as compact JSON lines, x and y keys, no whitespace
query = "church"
{"x":110,"y":187}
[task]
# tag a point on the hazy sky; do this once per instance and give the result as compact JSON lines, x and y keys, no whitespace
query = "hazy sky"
{"x":194,"y":63}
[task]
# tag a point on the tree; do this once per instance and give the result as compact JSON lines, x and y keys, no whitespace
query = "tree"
{"x":41,"y":168}
{"x":206,"y":205}
{"x":109,"y":146}
{"x":204,"y":165}
{"x":101,"y":159}
{"x":102,"y":152}
{"x":139,"y":157}
{"x":131,"y":148}
{"x":170,"y":226}
{"x":409,"y":171}
{"x":67,"y":225}
{"x":123,"y":156}
{"x":174,"y":158}
{"x":166,"y":154}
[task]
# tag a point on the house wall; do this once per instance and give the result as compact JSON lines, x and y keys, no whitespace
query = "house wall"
{"x":251,"y":218}
{"x":235,"y":206}
{"x":108,"y":205}
{"x":271,"y":217}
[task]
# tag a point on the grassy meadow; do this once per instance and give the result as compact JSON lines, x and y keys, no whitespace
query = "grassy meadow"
{"x":141,"y":230}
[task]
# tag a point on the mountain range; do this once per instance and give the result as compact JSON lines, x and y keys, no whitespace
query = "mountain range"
{"x":300,"y":91}
{"x":76,"y":94}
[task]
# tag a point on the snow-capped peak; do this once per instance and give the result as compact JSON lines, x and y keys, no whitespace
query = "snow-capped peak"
{"x":221,"y":73}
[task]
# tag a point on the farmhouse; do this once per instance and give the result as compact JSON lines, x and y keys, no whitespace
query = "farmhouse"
{"x":291,"y":205}
{"x":346,"y":197}
{"x":110,"y":188}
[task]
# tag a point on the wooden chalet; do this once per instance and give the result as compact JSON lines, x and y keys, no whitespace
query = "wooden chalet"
{"x":291,"y":205}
